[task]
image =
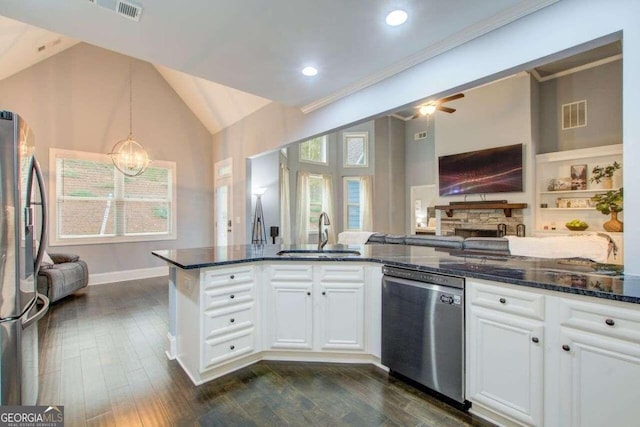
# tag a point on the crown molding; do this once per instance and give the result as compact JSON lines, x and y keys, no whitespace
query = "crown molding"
{"x":474,"y":31}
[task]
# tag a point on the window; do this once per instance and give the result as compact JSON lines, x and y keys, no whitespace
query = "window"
{"x":355,"y":149}
{"x":352,"y":204}
{"x":316,"y":197}
{"x":314,"y":150}
{"x":358,"y":203}
{"x":92,"y":202}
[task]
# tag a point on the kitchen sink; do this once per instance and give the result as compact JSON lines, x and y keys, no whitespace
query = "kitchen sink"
{"x":314,"y":253}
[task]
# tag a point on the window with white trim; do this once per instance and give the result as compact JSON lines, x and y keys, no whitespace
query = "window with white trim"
{"x":314,"y":150}
{"x":352,"y":204}
{"x":93,"y":202}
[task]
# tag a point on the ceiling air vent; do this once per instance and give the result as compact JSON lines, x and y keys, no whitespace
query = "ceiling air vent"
{"x":574,"y":115}
{"x":129,"y":10}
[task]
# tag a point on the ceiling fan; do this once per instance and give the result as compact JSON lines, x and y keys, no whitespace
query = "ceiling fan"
{"x":431,"y":107}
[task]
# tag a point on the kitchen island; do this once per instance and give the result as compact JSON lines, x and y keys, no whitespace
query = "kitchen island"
{"x":537,"y":330}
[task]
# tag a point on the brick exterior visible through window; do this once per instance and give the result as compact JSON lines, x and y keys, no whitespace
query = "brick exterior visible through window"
{"x":94,"y":202}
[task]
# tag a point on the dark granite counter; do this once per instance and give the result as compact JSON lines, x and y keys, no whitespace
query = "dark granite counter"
{"x":576,"y":276}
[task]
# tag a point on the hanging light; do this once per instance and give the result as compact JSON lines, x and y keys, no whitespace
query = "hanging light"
{"x":127,"y":155}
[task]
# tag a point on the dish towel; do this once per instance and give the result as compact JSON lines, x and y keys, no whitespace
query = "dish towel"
{"x":354,"y":237}
{"x":590,"y":246}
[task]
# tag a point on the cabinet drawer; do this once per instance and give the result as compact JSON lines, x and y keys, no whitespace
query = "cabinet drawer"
{"x":507,"y":300}
{"x":227,"y":277}
{"x":600,"y":318}
{"x":228,"y":295}
{"x":291,"y":273}
{"x":228,"y":319}
{"x":341,"y":273}
{"x":226,"y":347}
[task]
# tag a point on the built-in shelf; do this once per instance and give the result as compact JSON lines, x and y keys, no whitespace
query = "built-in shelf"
{"x":506,"y":207}
{"x":590,"y":191}
{"x":569,"y":209}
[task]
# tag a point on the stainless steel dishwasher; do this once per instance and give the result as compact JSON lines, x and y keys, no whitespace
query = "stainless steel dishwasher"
{"x":423,"y":329}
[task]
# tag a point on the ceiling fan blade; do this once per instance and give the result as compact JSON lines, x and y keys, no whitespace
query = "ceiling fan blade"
{"x":446,"y":109}
{"x":450,"y":98}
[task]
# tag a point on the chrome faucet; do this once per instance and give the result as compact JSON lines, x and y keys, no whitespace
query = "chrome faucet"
{"x":323,"y":235}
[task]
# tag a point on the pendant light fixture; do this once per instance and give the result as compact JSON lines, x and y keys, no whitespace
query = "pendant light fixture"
{"x":129,"y":156}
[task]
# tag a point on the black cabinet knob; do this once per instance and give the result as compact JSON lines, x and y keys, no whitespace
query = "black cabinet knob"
{"x":308,"y":293}
{"x":535,"y":340}
{"x":232,"y":296}
{"x":233,"y":347}
{"x":610,"y":322}
{"x":324,"y":293}
{"x":503,"y":301}
{"x":566,"y":347}
{"x":232,"y":276}
{"x":232,"y":320}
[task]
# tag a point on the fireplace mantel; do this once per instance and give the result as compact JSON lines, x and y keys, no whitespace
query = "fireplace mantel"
{"x":506,"y":207}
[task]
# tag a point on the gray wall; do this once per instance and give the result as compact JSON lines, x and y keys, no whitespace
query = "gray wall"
{"x":79,"y":100}
{"x":602,"y":88}
{"x":420,"y":158}
{"x":389,"y":181}
{"x":264,"y":174}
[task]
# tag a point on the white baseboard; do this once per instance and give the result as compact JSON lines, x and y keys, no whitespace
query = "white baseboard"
{"x":121,"y":276}
{"x":171,"y":351}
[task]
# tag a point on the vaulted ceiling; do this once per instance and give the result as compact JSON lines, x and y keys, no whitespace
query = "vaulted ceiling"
{"x":254,"y":49}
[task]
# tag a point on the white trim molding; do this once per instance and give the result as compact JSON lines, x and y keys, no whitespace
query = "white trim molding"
{"x":124,"y":275}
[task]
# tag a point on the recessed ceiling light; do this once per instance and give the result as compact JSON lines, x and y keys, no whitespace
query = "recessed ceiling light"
{"x":309,"y":71}
{"x":396,"y":17}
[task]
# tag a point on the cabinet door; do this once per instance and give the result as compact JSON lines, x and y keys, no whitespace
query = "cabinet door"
{"x":506,"y":364}
{"x":290,"y":315}
{"x":599,"y":378}
{"x":341,"y":319}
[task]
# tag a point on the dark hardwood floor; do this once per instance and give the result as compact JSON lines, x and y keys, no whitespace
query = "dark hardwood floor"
{"x":102,"y":357}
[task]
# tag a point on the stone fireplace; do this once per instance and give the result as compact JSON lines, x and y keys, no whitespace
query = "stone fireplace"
{"x":479,"y":221}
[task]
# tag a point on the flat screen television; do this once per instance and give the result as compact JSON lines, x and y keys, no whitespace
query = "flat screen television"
{"x":494,"y":170}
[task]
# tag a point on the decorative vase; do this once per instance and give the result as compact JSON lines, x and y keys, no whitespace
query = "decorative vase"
{"x":607,"y":183}
{"x":613,"y":225}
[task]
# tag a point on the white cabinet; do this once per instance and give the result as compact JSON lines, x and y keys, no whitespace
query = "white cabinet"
{"x":537,"y":358}
{"x":341,"y":308}
{"x":315,"y":307}
{"x":505,"y":351}
{"x":227,"y":314}
{"x":599,"y":365}
{"x":290,"y":307}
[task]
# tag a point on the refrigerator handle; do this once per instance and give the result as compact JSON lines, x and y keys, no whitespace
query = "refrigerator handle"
{"x":45,"y":214}
{"x":45,"y":307}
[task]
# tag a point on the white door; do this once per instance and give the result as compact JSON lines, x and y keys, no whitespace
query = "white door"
{"x":290,"y":315}
{"x":422,"y":198}
{"x":341,"y":323}
{"x":506,"y":364}
{"x":222,"y":183}
{"x":599,"y":380}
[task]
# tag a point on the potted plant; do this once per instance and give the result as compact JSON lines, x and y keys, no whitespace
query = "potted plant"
{"x":610,"y":203}
{"x":604,"y":174}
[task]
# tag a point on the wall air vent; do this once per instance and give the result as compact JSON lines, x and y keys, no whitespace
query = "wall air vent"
{"x":129,"y":10}
{"x":574,"y":115}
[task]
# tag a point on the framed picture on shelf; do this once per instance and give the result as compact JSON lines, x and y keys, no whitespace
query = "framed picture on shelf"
{"x":579,"y":177}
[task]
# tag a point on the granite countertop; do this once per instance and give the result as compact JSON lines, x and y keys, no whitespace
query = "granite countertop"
{"x":577,"y":276}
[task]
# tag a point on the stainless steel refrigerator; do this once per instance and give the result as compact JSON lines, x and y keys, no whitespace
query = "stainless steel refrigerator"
{"x":23,"y":238}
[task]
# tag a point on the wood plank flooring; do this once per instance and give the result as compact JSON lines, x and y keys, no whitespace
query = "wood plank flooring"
{"x":102,"y":357}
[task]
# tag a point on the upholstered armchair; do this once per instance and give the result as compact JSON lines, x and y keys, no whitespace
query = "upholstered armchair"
{"x":62,"y":275}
